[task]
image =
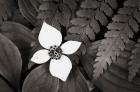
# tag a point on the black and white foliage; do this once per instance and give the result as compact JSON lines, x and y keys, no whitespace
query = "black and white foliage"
{"x":134,"y":64}
{"x":6,"y":12}
{"x":124,"y":26}
{"x":108,"y":59}
{"x":89,"y":17}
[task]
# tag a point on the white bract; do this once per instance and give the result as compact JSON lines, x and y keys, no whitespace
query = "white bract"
{"x":60,"y":65}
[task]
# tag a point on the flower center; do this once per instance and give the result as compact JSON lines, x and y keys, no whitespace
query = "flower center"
{"x":55,"y":52}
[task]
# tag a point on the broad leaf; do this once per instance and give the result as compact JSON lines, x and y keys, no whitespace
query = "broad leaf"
{"x":21,"y":36}
{"x":28,"y":9}
{"x":74,"y":83}
{"x":122,"y":28}
{"x":10,"y":62}
{"x":18,"y":33}
{"x":4,"y":87}
{"x":40,"y":80}
{"x":17,"y":17}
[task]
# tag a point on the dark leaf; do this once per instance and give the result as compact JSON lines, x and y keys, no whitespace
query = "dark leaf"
{"x":94,"y":24}
{"x":101,"y":17}
{"x":134,"y":25}
{"x":21,"y":36}
{"x":4,"y":87}
{"x":28,"y":10}
{"x":5,"y":11}
{"x":56,"y":14}
{"x":85,"y":32}
{"x":71,"y":3}
{"x":90,"y":33}
{"x":107,"y":10}
{"x":113,"y":3}
{"x":79,"y":22}
{"x":73,"y":37}
{"x":17,"y":17}
{"x":137,"y":16}
{"x":75,"y":30}
{"x":40,"y":80}
{"x":74,"y":83}
{"x":85,"y":13}
{"x":48,"y":6}
{"x":131,"y":3}
{"x":18,"y":33}
{"x":120,"y":18}
{"x":10,"y":62}
{"x":76,"y":37}
{"x":90,"y":4}
{"x":76,"y":56}
{"x":87,"y":60}
{"x":126,"y":10}
{"x":134,"y":63}
{"x":115,"y":26}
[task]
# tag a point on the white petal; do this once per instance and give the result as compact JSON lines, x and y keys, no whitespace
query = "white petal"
{"x":70,"y":47}
{"x":49,"y":36}
{"x":61,"y":68}
{"x":40,"y":56}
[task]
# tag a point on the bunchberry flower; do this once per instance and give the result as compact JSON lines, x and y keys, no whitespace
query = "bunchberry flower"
{"x":51,"y":39}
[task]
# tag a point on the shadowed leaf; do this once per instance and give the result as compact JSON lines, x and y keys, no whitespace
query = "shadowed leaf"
{"x":10,"y":62}
{"x":40,"y":80}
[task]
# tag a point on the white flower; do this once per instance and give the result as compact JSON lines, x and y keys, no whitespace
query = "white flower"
{"x":60,"y":65}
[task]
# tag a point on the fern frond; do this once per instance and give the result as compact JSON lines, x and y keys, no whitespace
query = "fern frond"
{"x":89,"y":19}
{"x":123,"y":27}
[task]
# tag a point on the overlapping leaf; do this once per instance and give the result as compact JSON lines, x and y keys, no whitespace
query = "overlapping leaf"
{"x":18,"y":33}
{"x":90,"y":17}
{"x":17,"y":17}
{"x":56,"y":12}
{"x":10,"y":62}
{"x":75,"y":82}
{"x":21,"y":36}
{"x":40,"y":80}
{"x":29,"y":9}
{"x":4,"y":87}
{"x":123,"y":27}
